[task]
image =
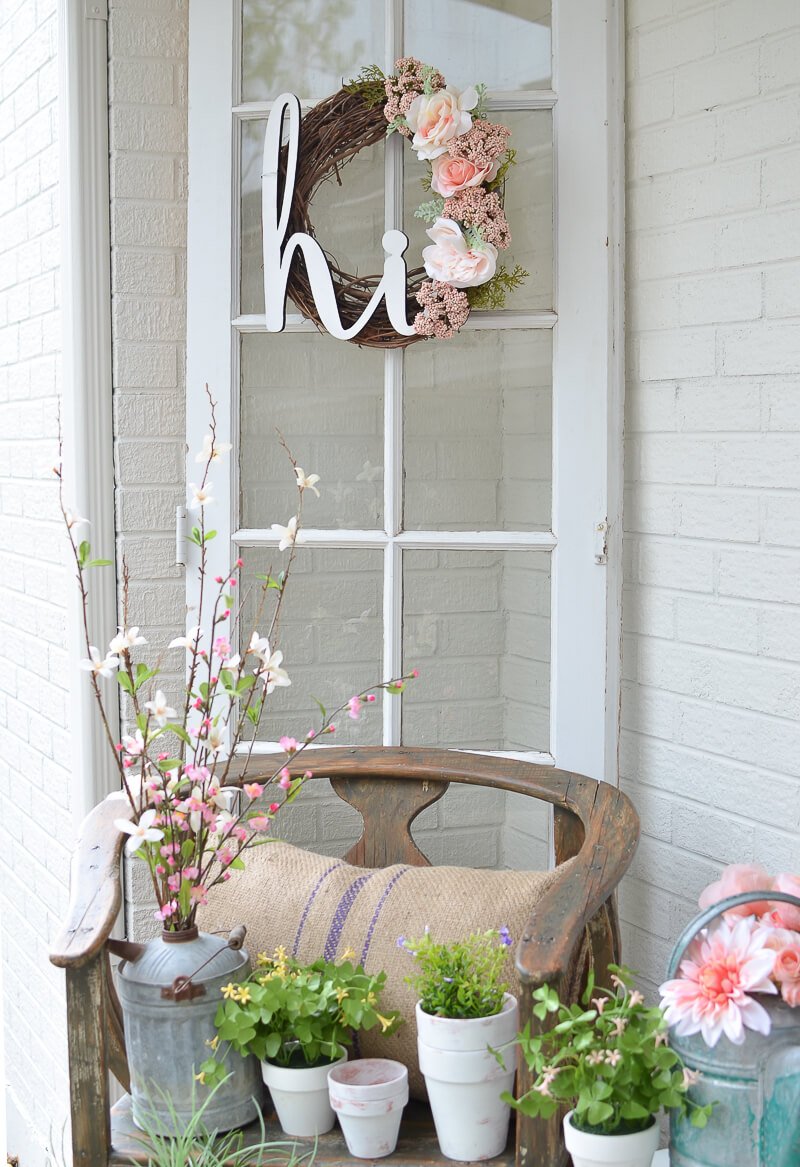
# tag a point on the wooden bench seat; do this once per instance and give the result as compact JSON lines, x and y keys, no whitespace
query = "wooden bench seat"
{"x":574,"y":923}
{"x":416,"y":1147}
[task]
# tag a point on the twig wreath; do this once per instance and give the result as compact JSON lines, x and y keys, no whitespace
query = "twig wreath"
{"x":469,"y":160}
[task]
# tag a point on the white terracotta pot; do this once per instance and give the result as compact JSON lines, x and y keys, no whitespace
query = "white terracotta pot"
{"x":464,"y":1079}
{"x":591,"y":1150}
{"x":368,"y":1096}
{"x":300,"y":1097}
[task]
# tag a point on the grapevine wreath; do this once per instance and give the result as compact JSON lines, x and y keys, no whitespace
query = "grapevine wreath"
{"x":468,"y":158}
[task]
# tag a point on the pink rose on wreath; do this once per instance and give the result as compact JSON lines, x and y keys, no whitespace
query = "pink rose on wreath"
{"x":451,"y":175}
{"x":437,"y":118}
{"x":735,"y":880}
{"x":451,"y":259}
{"x":786,"y":915}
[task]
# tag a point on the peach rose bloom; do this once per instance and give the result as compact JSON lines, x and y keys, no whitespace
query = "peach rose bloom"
{"x":437,"y":117}
{"x":736,"y":879}
{"x":451,"y":175}
{"x":787,"y":972}
{"x":786,"y":915}
{"x":451,"y":259}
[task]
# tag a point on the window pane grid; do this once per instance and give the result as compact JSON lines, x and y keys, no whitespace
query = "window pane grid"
{"x":394,"y":541}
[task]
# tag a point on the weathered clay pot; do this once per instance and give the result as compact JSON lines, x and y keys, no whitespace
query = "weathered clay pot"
{"x":368,"y":1096}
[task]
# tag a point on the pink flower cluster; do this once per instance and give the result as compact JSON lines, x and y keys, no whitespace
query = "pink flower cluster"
{"x":444,"y":310}
{"x":406,"y":84}
{"x":481,"y":145}
{"x":477,"y":207}
{"x":754,"y":949}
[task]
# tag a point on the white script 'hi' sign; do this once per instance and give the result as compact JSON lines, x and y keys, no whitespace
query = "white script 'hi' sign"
{"x":278,"y":255}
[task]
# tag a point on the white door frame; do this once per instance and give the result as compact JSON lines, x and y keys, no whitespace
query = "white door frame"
{"x":588,"y":373}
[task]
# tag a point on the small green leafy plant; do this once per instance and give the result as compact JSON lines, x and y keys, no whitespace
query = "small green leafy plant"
{"x":462,"y":979}
{"x":296,"y":1015}
{"x":608,"y":1058}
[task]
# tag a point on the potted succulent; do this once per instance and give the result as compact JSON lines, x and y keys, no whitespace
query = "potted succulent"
{"x":607,"y":1057}
{"x":177,"y":811}
{"x":466,"y":1027}
{"x":298,"y":1020}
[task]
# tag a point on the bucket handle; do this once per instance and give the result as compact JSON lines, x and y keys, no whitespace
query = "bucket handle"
{"x":700,"y":922}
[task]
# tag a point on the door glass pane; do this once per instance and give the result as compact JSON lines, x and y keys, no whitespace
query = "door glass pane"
{"x":477,"y":626}
{"x":330,"y":635}
{"x":528,"y":206}
{"x":326,"y":398}
{"x":478,"y":423}
{"x":307,"y":46}
{"x":503,"y":43}
{"x":348,"y":219}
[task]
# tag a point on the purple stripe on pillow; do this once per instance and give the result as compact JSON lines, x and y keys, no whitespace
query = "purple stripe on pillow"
{"x":341,"y":914}
{"x":309,"y":904}
{"x":373,"y":922}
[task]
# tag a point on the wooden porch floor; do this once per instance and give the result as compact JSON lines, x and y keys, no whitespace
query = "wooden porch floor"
{"x":416,"y":1147}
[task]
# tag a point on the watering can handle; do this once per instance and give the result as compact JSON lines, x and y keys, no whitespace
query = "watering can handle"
{"x":699,"y":922}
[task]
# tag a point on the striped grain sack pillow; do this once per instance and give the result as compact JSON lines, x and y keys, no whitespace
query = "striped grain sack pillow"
{"x":317,"y":906}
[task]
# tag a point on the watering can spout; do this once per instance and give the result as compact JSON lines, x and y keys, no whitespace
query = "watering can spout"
{"x":126,"y":949}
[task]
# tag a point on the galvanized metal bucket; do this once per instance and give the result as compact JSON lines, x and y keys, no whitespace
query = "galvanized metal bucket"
{"x":169,"y":989}
{"x":756,"y":1085}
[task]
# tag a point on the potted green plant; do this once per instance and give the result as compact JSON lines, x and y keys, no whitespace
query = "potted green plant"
{"x":298,"y":1020}
{"x":466,"y":1027}
{"x":609,"y":1058}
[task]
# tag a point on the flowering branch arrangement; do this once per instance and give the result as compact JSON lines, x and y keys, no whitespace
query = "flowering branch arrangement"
{"x":297,"y":1015}
{"x":469,"y":160}
{"x":608,"y":1057}
{"x":461,"y":979}
{"x":185,"y":822}
{"x":754,"y":948}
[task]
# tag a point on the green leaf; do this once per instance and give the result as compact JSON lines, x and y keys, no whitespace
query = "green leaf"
{"x":124,"y":682}
{"x":168,"y":764}
{"x":98,"y":563}
{"x":320,"y":706}
{"x":84,"y":551}
{"x":210,"y":535}
{"x":180,"y":732}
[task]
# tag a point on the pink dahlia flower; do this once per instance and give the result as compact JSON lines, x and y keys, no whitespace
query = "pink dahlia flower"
{"x":710,"y":996}
{"x":736,"y":879}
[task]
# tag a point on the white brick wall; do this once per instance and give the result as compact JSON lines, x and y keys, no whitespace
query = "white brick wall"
{"x":712,"y":600}
{"x":35,"y":818}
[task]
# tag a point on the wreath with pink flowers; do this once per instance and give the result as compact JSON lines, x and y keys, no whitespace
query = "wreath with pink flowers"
{"x":468,"y":158}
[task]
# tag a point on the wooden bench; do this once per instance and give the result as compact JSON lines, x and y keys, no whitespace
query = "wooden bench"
{"x":593,"y":822}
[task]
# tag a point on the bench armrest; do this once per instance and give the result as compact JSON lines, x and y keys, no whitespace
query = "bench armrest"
{"x":611,"y":833}
{"x":96,"y":894}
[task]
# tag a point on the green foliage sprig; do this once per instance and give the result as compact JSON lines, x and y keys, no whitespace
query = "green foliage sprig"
{"x":461,"y":979}
{"x":608,"y":1058}
{"x":369,"y":85}
{"x":492,"y":294}
{"x":294,"y":1014}
{"x":431,"y":210}
{"x":500,"y":178}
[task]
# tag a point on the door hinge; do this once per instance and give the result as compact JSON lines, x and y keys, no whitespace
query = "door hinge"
{"x":601,"y":542}
{"x":95,"y":9}
{"x":180,"y":536}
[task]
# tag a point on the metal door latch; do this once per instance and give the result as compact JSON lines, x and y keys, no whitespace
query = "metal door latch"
{"x":601,"y":542}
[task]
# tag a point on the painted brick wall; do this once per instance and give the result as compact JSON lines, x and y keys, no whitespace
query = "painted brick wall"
{"x":35,"y":818}
{"x":711,"y":736}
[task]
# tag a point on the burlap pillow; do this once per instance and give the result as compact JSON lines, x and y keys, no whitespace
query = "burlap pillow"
{"x":317,"y":906}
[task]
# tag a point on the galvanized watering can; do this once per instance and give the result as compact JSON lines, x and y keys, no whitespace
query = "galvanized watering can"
{"x":756,"y":1122}
{"x":169,"y":989}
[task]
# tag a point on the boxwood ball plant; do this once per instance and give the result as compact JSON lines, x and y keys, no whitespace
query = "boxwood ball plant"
{"x":607,"y":1057}
{"x":461,"y":979}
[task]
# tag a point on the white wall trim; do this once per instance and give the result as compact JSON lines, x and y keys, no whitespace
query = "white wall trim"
{"x":616,"y":380}
{"x":86,"y":363}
